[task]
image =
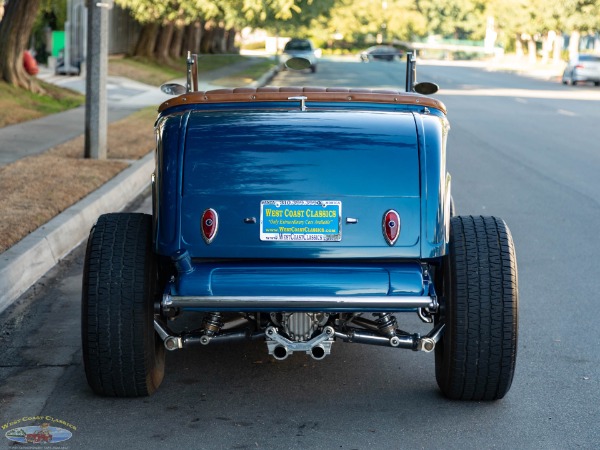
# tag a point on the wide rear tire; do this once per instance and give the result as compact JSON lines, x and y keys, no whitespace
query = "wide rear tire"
{"x":122,"y":355}
{"x":475,"y":359}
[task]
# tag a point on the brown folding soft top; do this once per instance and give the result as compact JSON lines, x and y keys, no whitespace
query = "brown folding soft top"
{"x":316,"y":94}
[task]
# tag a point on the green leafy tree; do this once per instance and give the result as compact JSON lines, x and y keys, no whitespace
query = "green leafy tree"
{"x":361,"y":21}
{"x":461,"y":19}
{"x":214,"y":21}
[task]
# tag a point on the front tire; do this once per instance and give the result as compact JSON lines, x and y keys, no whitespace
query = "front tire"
{"x":475,"y":359}
{"x":122,"y":355}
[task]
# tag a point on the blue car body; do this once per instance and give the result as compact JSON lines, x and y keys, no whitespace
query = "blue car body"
{"x":300,"y":217}
{"x":366,"y":156}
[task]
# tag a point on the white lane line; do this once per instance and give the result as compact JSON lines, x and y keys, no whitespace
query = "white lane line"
{"x":524,"y":94}
{"x":564,"y":112}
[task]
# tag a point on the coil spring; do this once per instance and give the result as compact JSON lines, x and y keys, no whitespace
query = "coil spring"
{"x":387,"y":324}
{"x":212,"y":324}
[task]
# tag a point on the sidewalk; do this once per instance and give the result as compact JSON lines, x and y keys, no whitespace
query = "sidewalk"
{"x":124,"y":97}
{"x":26,"y":262}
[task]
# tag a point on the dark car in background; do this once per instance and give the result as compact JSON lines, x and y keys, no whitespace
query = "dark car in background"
{"x":381,"y":52}
{"x":301,"y":48}
{"x":581,"y":69}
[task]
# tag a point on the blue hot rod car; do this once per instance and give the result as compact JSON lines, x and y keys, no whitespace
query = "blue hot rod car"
{"x":300,"y":218}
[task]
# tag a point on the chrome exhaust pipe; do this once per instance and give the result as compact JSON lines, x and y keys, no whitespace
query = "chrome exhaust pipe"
{"x":318,"y":347}
{"x":280,"y":352}
{"x":318,"y":352}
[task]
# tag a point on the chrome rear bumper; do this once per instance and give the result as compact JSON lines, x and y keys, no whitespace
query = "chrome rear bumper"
{"x":291,"y":303}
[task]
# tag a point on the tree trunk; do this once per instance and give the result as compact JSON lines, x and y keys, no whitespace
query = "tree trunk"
{"x":531,"y":51}
{"x":15,"y":30}
{"x":557,"y":49}
{"x":164,"y":42}
{"x":230,"y":42}
{"x":519,"y":46}
{"x":219,"y":44}
{"x":574,"y":44}
{"x":176,"y":49}
{"x":547,"y":42}
{"x":146,"y":41}
{"x":207,"y":38}
{"x":193,"y":36}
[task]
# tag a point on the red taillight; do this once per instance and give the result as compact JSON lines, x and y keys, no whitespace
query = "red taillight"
{"x":209,"y":225}
{"x":391,"y":226}
{"x":579,"y":66}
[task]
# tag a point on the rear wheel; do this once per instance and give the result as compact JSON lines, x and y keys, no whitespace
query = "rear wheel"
{"x":573,"y":80}
{"x":121,"y":353}
{"x":475,"y":359}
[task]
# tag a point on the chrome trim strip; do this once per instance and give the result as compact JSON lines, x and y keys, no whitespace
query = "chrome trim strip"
{"x":289,"y":303}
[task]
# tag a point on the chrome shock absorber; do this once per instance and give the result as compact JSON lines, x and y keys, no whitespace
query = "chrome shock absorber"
{"x":211,"y":325}
{"x":387,"y":324}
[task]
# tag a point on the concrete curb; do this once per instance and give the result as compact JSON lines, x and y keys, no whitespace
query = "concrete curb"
{"x":27,"y":261}
{"x":266,"y":78}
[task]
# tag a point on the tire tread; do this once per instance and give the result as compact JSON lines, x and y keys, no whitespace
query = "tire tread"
{"x":482,"y":320}
{"x":117,"y":329}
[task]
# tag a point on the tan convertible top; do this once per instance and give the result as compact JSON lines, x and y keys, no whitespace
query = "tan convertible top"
{"x":317,"y":94}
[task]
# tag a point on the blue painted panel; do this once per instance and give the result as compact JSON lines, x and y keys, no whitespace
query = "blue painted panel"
{"x":231,"y":160}
{"x":170,"y":142}
{"x":300,"y":279}
{"x":364,"y":239}
{"x":367,"y":161}
{"x":313,"y":153}
{"x":432,"y":133}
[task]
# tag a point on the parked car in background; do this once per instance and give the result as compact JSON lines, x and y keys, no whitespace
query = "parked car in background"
{"x":381,"y":52}
{"x":582,"y":68}
{"x":301,"y":48}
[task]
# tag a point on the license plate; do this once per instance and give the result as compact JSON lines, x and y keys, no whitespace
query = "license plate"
{"x":300,"y":220}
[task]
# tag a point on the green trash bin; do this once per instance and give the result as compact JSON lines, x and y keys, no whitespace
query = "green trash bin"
{"x":58,"y":42}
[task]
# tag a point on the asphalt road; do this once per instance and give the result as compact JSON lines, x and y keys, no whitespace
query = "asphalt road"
{"x":522,"y":149}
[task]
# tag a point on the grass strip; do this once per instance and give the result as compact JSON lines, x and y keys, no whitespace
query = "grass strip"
{"x":37,"y":188}
{"x":19,"y":105}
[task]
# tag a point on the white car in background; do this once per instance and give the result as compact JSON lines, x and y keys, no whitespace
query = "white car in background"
{"x":301,"y":48}
{"x":582,"y":68}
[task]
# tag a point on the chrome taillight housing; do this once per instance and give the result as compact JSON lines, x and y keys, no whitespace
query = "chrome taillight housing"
{"x":209,"y":225}
{"x":391,"y":226}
